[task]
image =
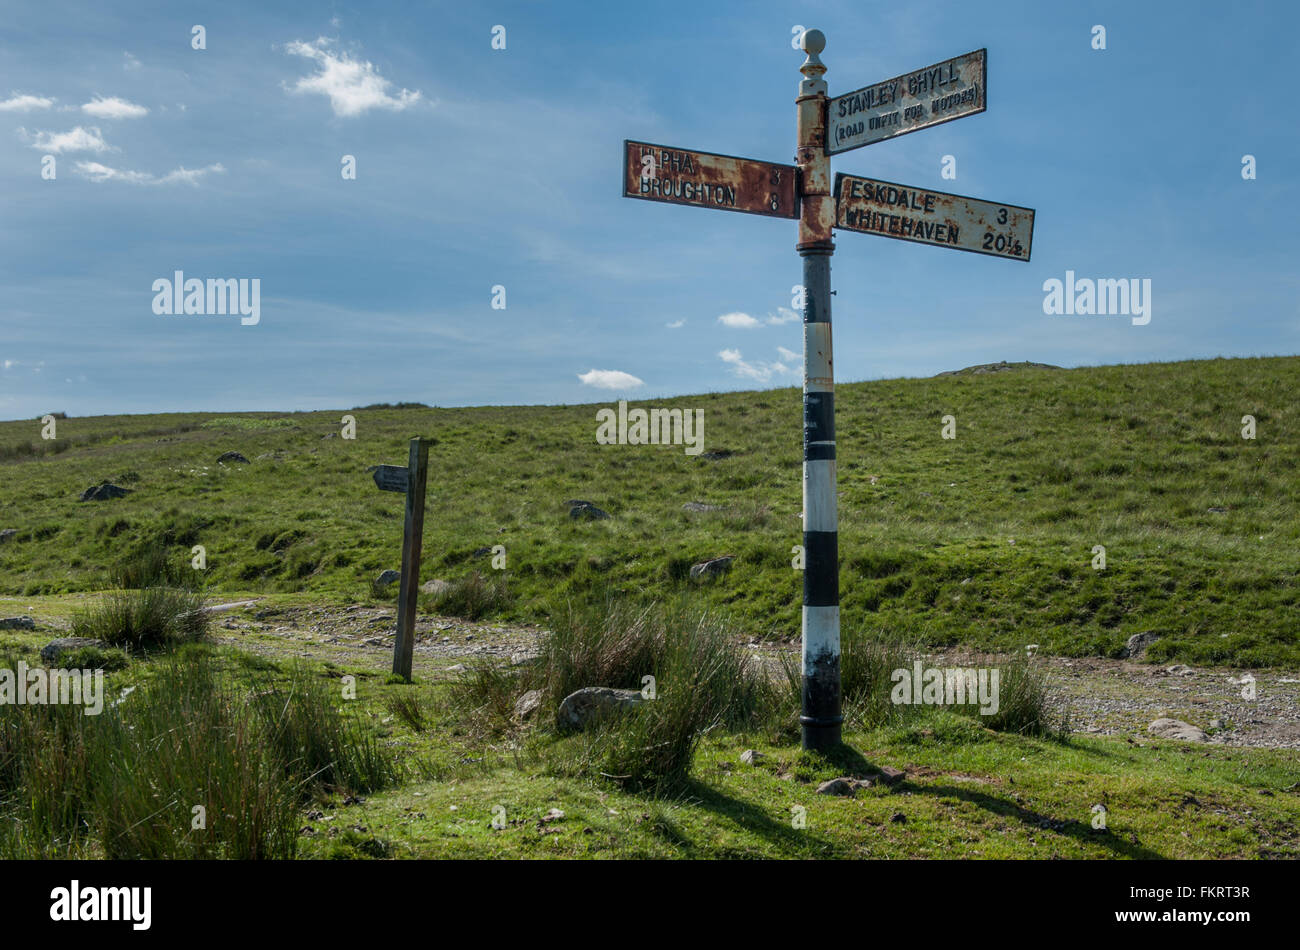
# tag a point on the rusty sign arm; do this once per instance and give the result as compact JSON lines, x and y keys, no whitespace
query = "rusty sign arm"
{"x":925,"y":216}
{"x":708,"y":180}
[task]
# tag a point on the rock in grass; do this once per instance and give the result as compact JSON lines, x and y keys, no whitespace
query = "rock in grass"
{"x":51,"y":652}
{"x":583,"y":707}
{"x":1138,"y":643}
{"x":232,"y":457}
{"x":1165,"y":728}
{"x":528,"y":704}
{"x":435,"y":587}
{"x":750,"y":757}
{"x":700,"y":507}
{"x":388,"y":577}
{"x":585,"y":510}
{"x":843,"y":786}
{"x":714,"y":567}
{"x":890,"y":775}
{"x":104,"y":492}
{"x":17,"y":623}
{"x":7,"y":533}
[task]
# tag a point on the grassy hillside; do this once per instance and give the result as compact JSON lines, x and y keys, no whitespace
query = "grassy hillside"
{"x":986,"y":539}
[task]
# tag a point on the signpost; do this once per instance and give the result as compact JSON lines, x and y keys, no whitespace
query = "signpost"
{"x":932,"y":217}
{"x":908,"y":103}
{"x":392,"y":477}
{"x":685,"y":177}
{"x":410,"y":481}
{"x":948,"y":90}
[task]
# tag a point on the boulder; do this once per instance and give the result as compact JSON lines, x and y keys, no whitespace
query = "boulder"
{"x":51,"y":652}
{"x":17,"y":623}
{"x":7,"y":533}
{"x":579,"y":510}
{"x":581,"y":708}
{"x":843,"y":786}
{"x":232,"y":457}
{"x":1137,"y":644}
{"x":714,"y":567}
{"x":750,"y":757}
{"x":718,"y":456}
{"x":434,"y":587}
{"x":528,"y":704}
{"x":103,"y":492}
{"x":388,"y":577}
{"x":890,"y":775}
{"x":1165,"y":728}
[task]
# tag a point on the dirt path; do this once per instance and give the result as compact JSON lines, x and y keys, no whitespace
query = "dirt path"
{"x":1105,"y":697}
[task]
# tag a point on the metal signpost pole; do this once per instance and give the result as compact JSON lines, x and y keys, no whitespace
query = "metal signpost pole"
{"x":820,"y":717}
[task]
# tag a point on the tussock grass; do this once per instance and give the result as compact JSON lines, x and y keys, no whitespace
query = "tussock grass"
{"x":152,"y":618}
{"x":701,"y":680}
{"x":472,"y":597}
{"x":188,"y":764}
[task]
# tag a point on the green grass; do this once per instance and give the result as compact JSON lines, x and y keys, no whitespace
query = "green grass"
{"x":968,"y":792}
{"x":1129,"y":457}
{"x":150,"y":618}
{"x":195,"y":755}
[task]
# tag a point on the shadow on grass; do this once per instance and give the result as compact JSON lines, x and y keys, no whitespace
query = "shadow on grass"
{"x":1079,"y":830}
{"x":792,"y":842}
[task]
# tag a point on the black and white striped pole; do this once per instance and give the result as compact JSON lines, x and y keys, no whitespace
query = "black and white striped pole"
{"x":820,"y":717}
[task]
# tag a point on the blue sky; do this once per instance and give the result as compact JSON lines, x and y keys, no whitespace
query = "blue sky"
{"x":479,"y":167}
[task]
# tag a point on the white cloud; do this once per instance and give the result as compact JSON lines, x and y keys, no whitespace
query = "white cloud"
{"x":131,"y":62}
{"x":610,"y":379}
{"x":760,"y":370}
{"x":17,"y":103}
{"x":782,"y":315}
{"x":77,"y":140}
{"x":353,"y":86}
{"x":9,"y":364}
{"x":675,"y":324}
{"x":738,"y":321}
{"x":190,"y":176}
{"x":788,"y":355}
{"x":113,"y":108}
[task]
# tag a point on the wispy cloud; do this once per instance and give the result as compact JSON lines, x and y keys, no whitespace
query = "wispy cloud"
{"x":189,"y":176}
{"x":130,"y":62}
{"x":353,"y":86}
{"x":758,"y":370}
{"x":676,"y":324}
{"x":738,"y":321}
{"x":782,"y":315}
{"x":113,"y":108}
{"x":17,"y":103}
{"x":77,"y":140}
{"x":610,"y":379}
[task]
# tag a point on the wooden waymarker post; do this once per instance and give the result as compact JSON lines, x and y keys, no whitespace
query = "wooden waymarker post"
{"x":410,"y":481}
{"x":824,"y":126}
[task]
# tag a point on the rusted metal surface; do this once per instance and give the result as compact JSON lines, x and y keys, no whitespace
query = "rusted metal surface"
{"x":917,"y":100}
{"x":706,"y":180}
{"x":817,"y":212}
{"x":923,"y":216}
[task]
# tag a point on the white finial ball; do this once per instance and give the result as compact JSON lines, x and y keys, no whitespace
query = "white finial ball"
{"x":812,"y":41}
